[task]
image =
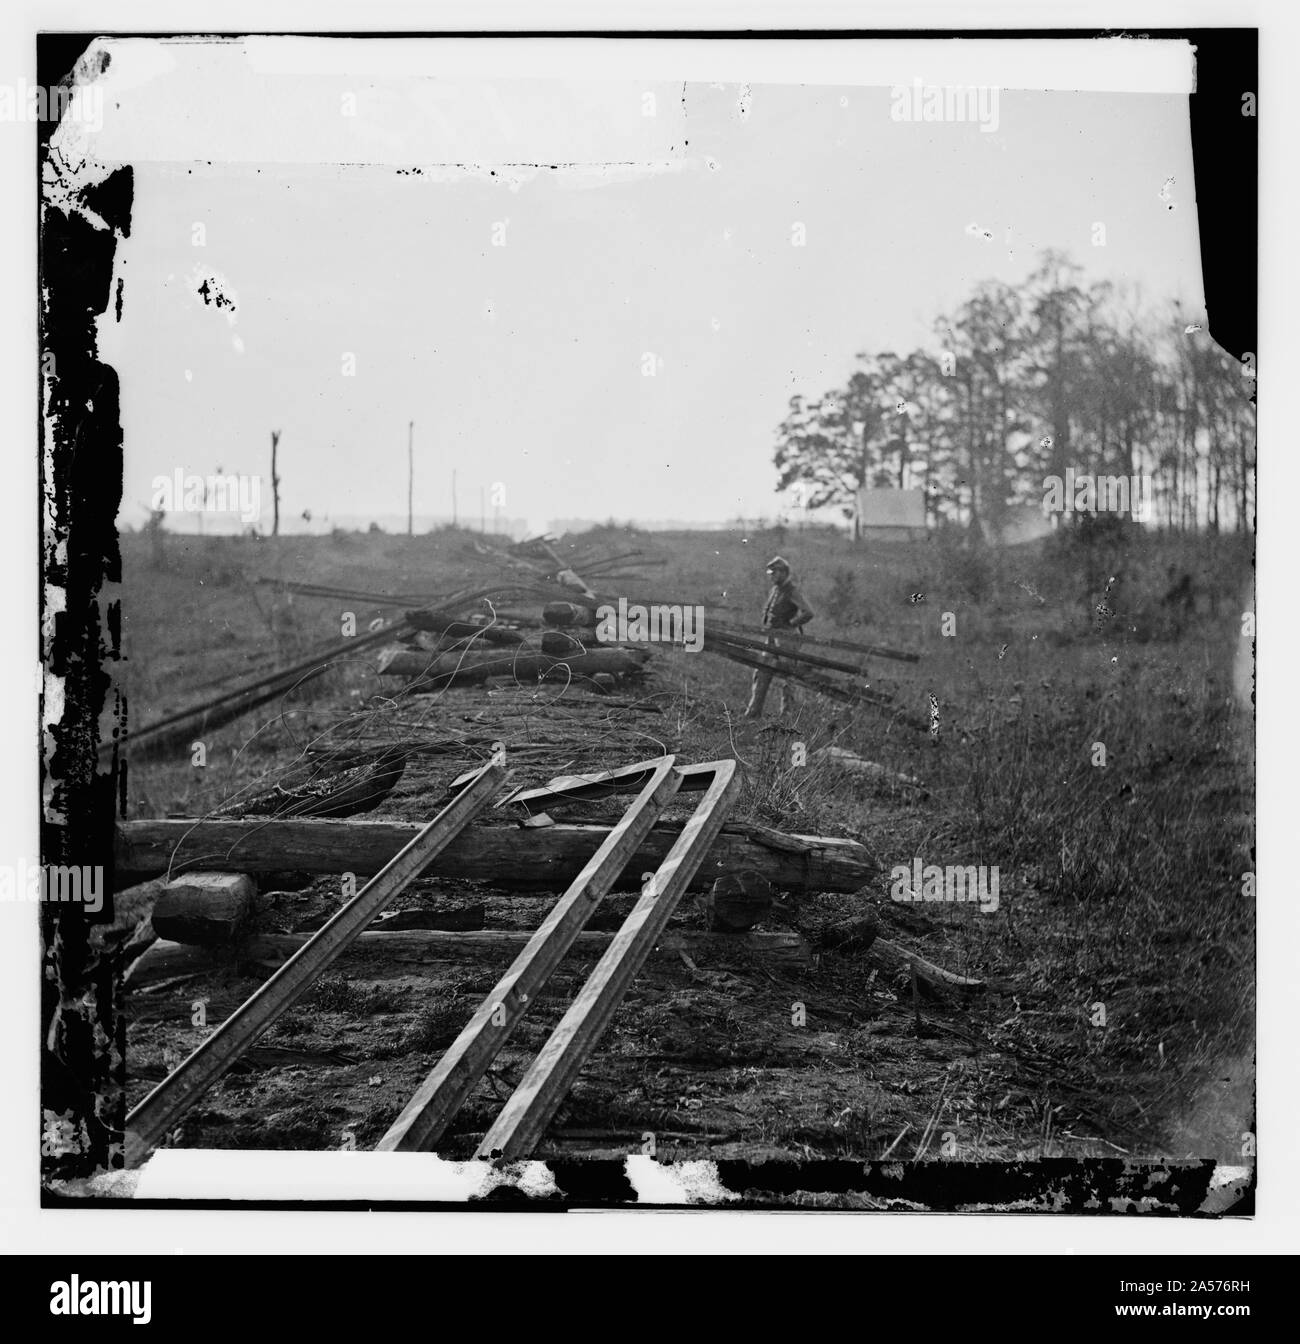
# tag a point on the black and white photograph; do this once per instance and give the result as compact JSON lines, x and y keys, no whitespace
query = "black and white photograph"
{"x":644,"y":622}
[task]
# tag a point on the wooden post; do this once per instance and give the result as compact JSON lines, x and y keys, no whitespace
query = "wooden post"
{"x":410,"y":479}
{"x":165,"y":1105}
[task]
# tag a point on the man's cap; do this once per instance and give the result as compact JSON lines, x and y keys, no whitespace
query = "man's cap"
{"x":777,"y":562}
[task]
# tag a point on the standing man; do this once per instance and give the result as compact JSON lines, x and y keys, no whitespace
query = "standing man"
{"x":784,"y":615}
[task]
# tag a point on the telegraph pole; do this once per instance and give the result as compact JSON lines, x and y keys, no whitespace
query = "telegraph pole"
{"x":410,"y":479}
{"x":275,"y":485}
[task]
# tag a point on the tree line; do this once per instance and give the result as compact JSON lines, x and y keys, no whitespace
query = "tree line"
{"x":1022,"y":383}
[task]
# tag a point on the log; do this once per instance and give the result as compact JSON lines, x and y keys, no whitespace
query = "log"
{"x":738,"y":901}
{"x":895,"y":957}
{"x":561,"y":644}
{"x":822,"y":641}
{"x":569,"y":613}
{"x":590,"y":566}
{"x":442,"y":624}
{"x":453,"y":643}
{"x":854,"y":764}
{"x":456,"y":920}
{"x":134,"y":903}
{"x":204,"y":908}
{"x":790,"y":650}
{"x":382,"y":956}
{"x":505,"y":856}
{"x":474,"y":666}
{"x":176,"y":730}
{"x":855,"y":934}
{"x":325,"y":788}
{"x":770,"y":661}
{"x":334,"y":592}
{"x":131,"y":908}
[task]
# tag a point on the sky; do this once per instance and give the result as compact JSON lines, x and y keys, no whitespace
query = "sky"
{"x":512,"y":310}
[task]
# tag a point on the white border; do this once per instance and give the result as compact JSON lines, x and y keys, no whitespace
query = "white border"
{"x":26,"y":1228}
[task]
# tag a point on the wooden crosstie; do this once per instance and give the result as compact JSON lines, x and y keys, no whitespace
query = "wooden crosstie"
{"x":172,"y":1098}
{"x":524,"y":1117}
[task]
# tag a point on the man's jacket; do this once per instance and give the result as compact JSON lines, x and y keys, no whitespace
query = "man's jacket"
{"x":786,"y":608}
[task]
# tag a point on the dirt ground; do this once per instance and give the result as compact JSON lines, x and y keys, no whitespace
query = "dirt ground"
{"x":716,"y":1055}
{"x":702,"y":1058}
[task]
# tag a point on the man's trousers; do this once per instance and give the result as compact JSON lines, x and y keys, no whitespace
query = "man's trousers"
{"x":763,"y":680}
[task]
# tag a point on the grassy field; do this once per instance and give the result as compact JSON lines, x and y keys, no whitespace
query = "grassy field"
{"x":1095,"y":745}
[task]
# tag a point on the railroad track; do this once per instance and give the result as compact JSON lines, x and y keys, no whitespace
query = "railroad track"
{"x":526,"y":1114}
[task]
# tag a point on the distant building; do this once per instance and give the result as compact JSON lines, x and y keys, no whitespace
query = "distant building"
{"x":890,"y":515}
